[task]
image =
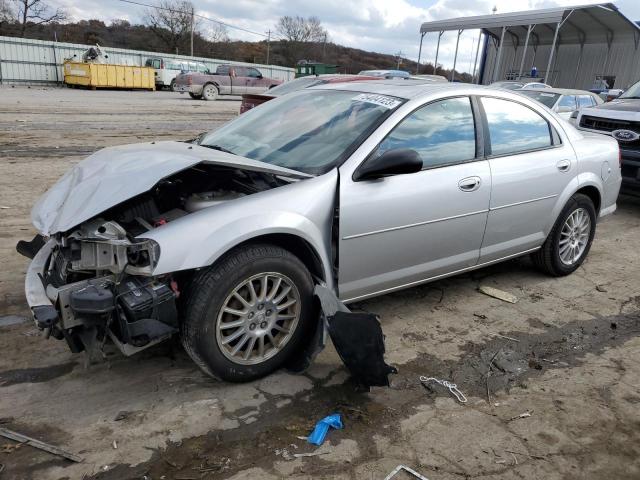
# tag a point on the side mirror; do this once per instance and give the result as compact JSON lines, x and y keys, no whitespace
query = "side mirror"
{"x":259,"y":75}
{"x":574,"y":114}
{"x":391,"y":162}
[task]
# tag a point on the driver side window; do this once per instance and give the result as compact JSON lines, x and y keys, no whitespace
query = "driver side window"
{"x":443,"y":133}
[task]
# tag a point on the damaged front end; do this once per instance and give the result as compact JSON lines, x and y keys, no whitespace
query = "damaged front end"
{"x":96,"y":283}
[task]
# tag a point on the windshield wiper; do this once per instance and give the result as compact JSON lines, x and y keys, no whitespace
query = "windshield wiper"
{"x":219,"y":148}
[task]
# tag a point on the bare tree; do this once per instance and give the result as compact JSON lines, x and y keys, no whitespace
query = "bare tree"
{"x":171,"y":22}
{"x":6,"y":12}
{"x":299,"y":29}
{"x":36,"y":12}
{"x":219,"y":33}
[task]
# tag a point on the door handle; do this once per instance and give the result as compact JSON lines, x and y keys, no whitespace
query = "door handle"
{"x":469,"y":184}
{"x":564,"y":165}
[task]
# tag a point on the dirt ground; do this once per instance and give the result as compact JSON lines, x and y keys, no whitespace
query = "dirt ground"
{"x":552,"y":381}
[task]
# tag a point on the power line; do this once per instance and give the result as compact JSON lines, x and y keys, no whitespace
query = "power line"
{"x":195,"y":15}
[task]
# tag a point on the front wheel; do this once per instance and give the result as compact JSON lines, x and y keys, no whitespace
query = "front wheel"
{"x":248,"y":313}
{"x":570,"y":239}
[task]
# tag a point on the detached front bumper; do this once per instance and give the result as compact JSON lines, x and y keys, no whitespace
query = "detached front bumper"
{"x":42,"y":308}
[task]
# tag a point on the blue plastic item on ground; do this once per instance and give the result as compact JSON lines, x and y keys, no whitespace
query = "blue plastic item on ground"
{"x":322,"y":428}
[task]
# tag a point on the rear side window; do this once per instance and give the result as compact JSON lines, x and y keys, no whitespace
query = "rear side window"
{"x":586,"y":101}
{"x":442,"y":133}
{"x":567,"y":101}
{"x":514,"y":128}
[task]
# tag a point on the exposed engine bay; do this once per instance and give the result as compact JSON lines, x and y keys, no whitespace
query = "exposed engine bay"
{"x":99,"y":275}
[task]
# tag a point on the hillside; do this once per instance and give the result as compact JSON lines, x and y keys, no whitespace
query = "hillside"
{"x":121,"y":34}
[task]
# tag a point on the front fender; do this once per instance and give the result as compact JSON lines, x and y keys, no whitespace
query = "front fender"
{"x":303,"y":209}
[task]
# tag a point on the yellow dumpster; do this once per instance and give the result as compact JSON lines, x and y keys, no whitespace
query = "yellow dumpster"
{"x":101,"y":75}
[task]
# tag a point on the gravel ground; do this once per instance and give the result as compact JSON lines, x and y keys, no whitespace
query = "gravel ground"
{"x":552,"y":381}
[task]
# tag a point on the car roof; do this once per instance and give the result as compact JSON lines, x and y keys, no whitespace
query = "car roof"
{"x":563,"y":91}
{"x":398,"y":87}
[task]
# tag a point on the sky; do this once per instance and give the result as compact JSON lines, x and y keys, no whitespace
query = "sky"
{"x":386,"y":26}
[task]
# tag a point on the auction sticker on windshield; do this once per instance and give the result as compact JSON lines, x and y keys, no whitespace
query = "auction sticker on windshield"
{"x":382,"y":100}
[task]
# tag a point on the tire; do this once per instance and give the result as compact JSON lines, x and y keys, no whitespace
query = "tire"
{"x":172,"y":85}
{"x":213,"y":289}
{"x":552,"y":256}
{"x":209,"y":92}
{"x":194,"y":96}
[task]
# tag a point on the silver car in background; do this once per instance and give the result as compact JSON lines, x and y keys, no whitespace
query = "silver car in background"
{"x":358,"y":189}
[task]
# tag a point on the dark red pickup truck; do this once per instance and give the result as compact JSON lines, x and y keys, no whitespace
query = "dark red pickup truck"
{"x":228,"y":80}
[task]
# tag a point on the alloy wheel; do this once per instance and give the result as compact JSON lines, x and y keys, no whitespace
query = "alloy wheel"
{"x":574,"y":236}
{"x":258,"y":318}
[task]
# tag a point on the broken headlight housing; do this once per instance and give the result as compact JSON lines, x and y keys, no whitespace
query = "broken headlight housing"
{"x":105,"y":246}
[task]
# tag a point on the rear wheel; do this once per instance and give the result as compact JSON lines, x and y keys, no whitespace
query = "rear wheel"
{"x":570,"y":239}
{"x":209,"y":92}
{"x":248,"y":313}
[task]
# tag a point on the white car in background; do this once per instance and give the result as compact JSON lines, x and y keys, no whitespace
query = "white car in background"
{"x":167,"y":69}
{"x":565,"y":102}
{"x":535,"y":86}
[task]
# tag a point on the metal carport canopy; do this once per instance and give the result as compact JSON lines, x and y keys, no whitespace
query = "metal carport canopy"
{"x":597,"y":23}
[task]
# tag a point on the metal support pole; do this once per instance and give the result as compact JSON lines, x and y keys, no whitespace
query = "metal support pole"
{"x":475,"y":62}
{"x":524,"y":53}
{"x":496,"y":68}
{"x":455,"y":57}
{"x":435,"y":64}
{"x":422,"y":34}
{"x":547,"y":74}
{"x":575,"y":78}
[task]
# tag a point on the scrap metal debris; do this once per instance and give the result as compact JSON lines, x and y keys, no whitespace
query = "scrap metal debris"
{"x":404,"y":468}
{"x":19,"y":437}
{"x":499,"y":294}
{"x":526,"y":414}
{"x":453,"y":388}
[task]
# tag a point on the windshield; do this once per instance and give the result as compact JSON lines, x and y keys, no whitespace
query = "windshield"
{"x":310,"y":131}
{"x":545,"y":98}
{"x":294,"y":85}
{"x":632,"y":92}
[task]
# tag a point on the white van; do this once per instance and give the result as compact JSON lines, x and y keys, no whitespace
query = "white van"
{"x":167,"y":69}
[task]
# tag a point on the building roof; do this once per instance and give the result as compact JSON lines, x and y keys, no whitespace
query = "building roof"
{"x":580,"y":24}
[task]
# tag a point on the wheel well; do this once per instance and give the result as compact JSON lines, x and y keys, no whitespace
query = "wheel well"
{"x":593,"y":194}
{"x":296,"y":245}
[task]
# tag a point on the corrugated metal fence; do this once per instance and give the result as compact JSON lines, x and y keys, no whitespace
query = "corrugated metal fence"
{"x":39,"y":61}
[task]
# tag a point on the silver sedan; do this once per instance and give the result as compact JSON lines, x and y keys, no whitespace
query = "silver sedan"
{"x":349,"y":191}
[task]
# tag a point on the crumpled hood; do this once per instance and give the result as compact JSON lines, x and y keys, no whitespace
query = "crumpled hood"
{"x":113,"y":175}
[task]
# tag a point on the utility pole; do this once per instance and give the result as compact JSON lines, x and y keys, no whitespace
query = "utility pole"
{"x":192,"y":22}
{"x":268,"y":44}
{"x":324,"y":47}
{"x":399,"y":58}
